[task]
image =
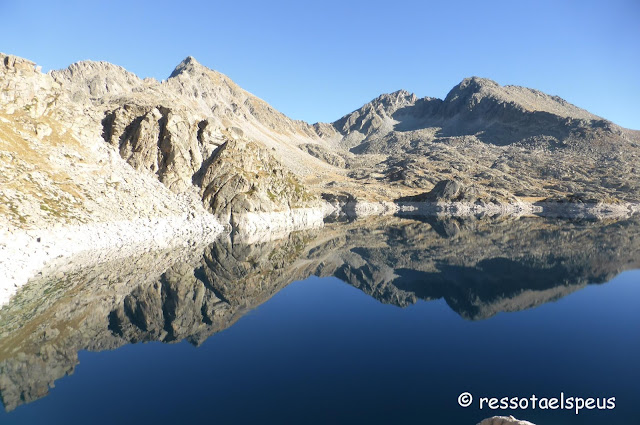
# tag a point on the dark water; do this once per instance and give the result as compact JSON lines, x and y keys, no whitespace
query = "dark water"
{"x":405,"y":317}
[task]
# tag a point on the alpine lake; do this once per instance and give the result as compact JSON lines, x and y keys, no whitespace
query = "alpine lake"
{"x":384,"y":320}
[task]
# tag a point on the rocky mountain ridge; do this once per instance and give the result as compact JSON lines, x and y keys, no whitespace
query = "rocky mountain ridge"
{"x":513,"y":143}
{"x":510,"y":138}
{"x":166,"y":130}
{"x":470,"y":107}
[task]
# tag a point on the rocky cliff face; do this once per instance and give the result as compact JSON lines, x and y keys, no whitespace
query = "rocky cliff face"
{"x":242,"y":177}
{"x":232,"y":175}
{"x":174,"y":129}
{"x":55,"y":167}
{"x":54,"y":128}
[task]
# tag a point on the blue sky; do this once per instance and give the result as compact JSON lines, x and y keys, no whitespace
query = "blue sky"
{"x":317,"y":61}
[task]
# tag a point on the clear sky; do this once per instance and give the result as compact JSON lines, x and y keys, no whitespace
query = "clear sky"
{"x":317,"y":61}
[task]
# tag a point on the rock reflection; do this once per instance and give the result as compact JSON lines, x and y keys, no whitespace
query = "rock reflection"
{"x":480,"y":267}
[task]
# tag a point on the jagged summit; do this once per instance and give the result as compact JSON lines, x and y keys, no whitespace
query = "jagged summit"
{"x":88,"y":65}
{"x":397,"y":95}
{"x":377,"y":115}
{"x":96,"y":79}
{"x":190,"y":60}
{"x":391,"y":102}
{"x":473,"y":91}
{"x":470,"y":85}
{"x":189,"y":65}
{"x":504,"y":114}
{"x":83,"y":70}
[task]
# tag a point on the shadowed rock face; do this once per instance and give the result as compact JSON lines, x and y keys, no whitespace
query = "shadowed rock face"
{"x":498,"y":115}
{"x":479,"y":267}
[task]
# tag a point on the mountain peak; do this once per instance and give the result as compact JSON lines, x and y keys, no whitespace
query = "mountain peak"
{"x":189,"y":65}
{"x":471,"y":85}
{"x":478,"y":82}
{"x":472,"y":91}
{"x":97,"y":78}
{"x":190,"y":60}
{"x":390,"y":102}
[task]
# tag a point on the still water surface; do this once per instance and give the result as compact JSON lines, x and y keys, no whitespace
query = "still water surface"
{"x":403,"y":331}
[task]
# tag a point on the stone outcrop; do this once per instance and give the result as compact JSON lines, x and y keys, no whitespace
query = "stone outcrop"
{"x":242,"y":177}
{"x":336,"y":158}
{"x":447,"y":191}
{"x":504,"y":420}
{"x":233,"y":175}
{"x":157,"y":140}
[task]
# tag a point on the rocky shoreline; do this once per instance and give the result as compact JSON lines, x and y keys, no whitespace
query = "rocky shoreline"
{"x":595,"y":211}
{"x":25,"y":253}
{"x":278,"y":221}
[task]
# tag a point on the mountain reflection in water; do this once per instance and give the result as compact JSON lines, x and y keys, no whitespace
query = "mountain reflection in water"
{"x":480,"y":267}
